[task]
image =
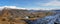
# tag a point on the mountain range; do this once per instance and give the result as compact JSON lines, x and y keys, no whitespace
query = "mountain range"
{"x":17,"y":16}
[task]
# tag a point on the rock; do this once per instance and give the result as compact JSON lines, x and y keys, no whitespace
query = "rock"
{"x":55,"y":19}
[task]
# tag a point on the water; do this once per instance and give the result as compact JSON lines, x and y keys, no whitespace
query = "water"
{"x":54,"y":19}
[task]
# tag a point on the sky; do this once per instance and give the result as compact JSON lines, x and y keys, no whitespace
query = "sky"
{"x":34,"y":4}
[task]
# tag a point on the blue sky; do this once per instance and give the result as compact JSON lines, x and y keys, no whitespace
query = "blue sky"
{"x":31,"y":3}
{"x":7,"y":2}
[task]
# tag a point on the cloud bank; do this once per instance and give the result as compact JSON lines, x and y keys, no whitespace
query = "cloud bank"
{"x":11,"y":7}
{"x":14,"y":7}
{"x":52,"y":3}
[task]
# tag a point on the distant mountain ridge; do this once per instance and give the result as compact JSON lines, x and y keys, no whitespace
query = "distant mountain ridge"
{"x":14,"y":7}
{"x":23,"y":12}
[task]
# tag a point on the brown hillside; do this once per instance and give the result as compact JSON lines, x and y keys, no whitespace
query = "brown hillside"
{"x":14,"y":16}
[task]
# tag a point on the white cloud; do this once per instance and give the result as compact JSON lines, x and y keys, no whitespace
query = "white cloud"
{"x":11,"y":7}
{"x":14,"y":7}
{"x":52,"y":3}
